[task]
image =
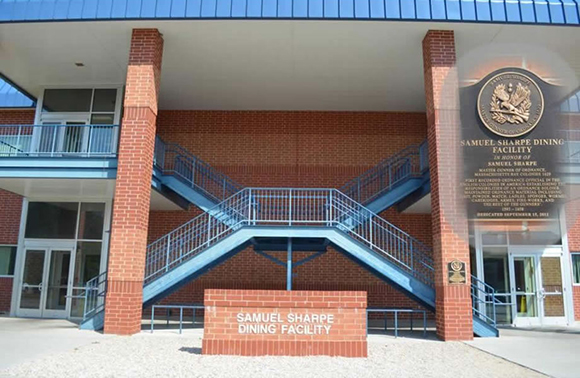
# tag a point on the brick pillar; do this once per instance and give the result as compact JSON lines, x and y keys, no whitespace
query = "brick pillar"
{"x":449,"y":224}
{"x":133,"y":185}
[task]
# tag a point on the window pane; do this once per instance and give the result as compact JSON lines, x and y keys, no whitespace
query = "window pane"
{"x":104,"y":100}
{"x":67,"y":100}
{"x":91,"y":221}
{"x":7,"y":260}
{"x":88,"y":262}
{"x":102,"y":119}
{"x":494,"y":238}
{"x":536,"y":233}
{"x":576,"y":267}
{"x":51,"y":220}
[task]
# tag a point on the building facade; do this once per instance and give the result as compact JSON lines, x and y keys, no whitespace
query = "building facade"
{"x":148,"y":153}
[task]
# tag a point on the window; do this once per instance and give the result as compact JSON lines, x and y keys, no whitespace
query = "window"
{"x":91,"y":221}
{"x":7,"y":260}
{"x":67,"y":100}
{"x":576,"y":268}
{"x":62,"y":218}
{"x":98,"y":104}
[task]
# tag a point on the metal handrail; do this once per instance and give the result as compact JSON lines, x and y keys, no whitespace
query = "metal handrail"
{"x":172,"y":159}
{"x":58,"y":140}
{"x":412,"y":161}
{"x":289,"y":207}
{"x":94,"y":295}
{"x":483,"y":295}
{"x":192,"y":307}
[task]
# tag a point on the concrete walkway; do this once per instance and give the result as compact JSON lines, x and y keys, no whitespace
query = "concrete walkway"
{"x":552,"y":351}
{"x":24,"y":340}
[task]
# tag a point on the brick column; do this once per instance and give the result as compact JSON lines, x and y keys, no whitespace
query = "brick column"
{"x":133,"y":185}
{"x":449,"y":224}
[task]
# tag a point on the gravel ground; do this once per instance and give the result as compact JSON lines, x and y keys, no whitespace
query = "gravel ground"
{"x":165,"y":354}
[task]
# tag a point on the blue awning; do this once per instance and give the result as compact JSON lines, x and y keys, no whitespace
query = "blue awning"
{"x":550,"y":12}
{"x":11,"y":97}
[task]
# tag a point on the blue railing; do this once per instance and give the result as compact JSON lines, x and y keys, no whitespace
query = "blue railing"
{"x":289,"y":207}
{"x":560,"y":12}
{"x":412,"y":161}
{"x":58,"y":140}
{"x":168,"y":308}
{"x":484,"y":301}
{"x":94,"y":296}
{"x":172,"y":159}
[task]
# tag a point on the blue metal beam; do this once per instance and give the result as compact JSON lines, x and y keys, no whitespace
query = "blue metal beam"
{"x":271,"y":258}
{"x":309,"y":258}
{"x":289,"y":266}
{"x":377,"y":264}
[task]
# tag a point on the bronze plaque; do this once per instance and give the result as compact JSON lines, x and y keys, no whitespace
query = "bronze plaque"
{"x":456,"y":272}
{"x":511,"y":143}
{"x":510,"y":104}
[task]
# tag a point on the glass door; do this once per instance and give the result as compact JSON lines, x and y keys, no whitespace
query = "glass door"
{"x":45,"y":283}
{"x":31,"y":288}
{"x":552,"y":291}
{"x":61,"y":136}
{"x":524,"y":288}
{"x":57,"y":284}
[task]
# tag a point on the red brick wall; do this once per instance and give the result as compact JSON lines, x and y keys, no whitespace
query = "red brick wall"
{"x":11,"y":205}
{"x":453,"y":302}
{"x":292,"y":149}
{"x":5,"y":294}
{"x":346,"y":335}
{"x":133,"y":185}
{"x":573,"y":233}
{"x":16,"y":117}
{"x":300,"y":149}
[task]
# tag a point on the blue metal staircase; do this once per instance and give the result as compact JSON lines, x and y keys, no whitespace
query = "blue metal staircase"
{"x":392,"y":180}
{"x":386,"y":184}
{"x":235,"y":217}
{"x":178,"y":170}
{"x":214,"y":236}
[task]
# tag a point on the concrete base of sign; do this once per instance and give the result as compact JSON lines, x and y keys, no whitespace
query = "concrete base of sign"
{"x":285,"y":323}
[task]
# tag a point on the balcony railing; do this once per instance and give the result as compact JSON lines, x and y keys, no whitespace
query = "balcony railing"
{"x":58,"y":140}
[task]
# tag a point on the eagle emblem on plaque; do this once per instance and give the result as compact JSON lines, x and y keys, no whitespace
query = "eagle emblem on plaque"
{"x":510,"y":104}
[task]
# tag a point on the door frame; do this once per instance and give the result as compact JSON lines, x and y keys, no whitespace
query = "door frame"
{"x":61,"y":120}
{"x":537,"y":253}
{"x":527,"y":321}
{"x":24,"y":243}
{"x":48,"y":245}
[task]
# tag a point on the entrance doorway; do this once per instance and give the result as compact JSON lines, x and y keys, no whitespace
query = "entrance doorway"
{"x":64,"y":247}
{"x":46,"y":285}
{"x":537,"y":289}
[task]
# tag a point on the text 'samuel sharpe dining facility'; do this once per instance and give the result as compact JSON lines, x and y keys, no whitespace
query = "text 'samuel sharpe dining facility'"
{"x":291,"y":171}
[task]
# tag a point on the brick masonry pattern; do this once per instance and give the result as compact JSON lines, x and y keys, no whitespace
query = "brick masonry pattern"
{"x":449,"y":226}
{"x":133,"y":185}
{"x":346,"y":337}
{"x":11,"y":205}
{"x":301,"y":149}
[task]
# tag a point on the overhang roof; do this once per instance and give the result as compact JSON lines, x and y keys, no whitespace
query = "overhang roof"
{"x":561,"y":12}
{"x":264,"y":65}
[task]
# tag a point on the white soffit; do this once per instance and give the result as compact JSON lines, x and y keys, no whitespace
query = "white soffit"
{"x":260,"y":65}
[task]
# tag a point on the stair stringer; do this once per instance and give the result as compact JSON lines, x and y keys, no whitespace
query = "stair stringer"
{"x":233,"y":243}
